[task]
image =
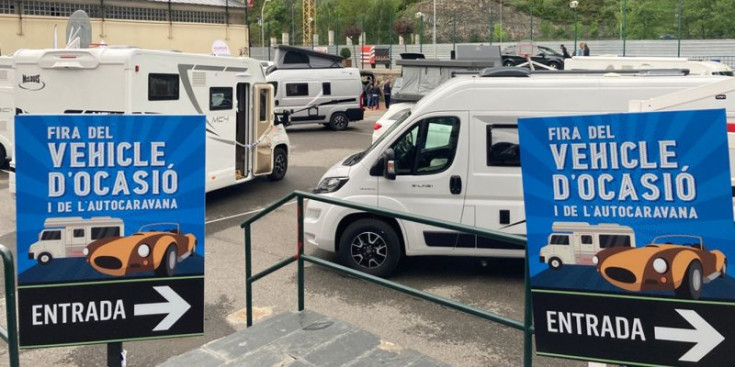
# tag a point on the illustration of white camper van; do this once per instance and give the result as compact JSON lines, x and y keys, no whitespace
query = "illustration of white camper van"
{"x":69,"y":236}
{"x":576,"y":243}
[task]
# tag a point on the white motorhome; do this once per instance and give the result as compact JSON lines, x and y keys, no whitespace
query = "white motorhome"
{"x":470,"y":173}
{"x":7,"y":109}
{"x":69,"y":236}
{"x":576,"y":243}
{"x":242,"y":140}
{"x":639,"y":63}
{"x":316,"y":88}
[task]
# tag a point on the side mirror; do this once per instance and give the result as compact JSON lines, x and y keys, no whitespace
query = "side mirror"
{"x":389,"y":164}
{"x":283,"y":118}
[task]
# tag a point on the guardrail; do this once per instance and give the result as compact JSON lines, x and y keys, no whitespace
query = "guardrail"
{"x":300,"y":258}
{"x":10,"y":335}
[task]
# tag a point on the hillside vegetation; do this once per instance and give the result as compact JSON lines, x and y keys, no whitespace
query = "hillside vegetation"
{"x":501,"y":20}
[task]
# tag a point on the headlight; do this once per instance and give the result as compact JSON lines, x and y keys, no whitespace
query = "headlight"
{"x":660,"y":265}
{"x":144,"y":250}
{"x":595,"y":259}
{"x":85,"y":252}
{"x":330,"y":184}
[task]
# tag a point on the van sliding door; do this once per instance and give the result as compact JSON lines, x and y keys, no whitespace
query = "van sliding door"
{"x":241,"y":128}
{"x":263,"y":123}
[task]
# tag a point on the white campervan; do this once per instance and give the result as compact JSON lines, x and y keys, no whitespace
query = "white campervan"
{"x":243,"y":142}
{"x":455,"y":157}
{"x":315,"y":88}
{"x":639,"y":63}
{"x":576,"y":243}
{"x":69,"y":236}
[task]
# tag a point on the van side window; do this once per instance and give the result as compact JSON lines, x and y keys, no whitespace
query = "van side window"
{"x":163,"y":87}
{"x":220,"y":98}
{"x":105,"y":232}
{"x":609,"y":240}
{"x":275,"y":87}
{"x":263,"y":106}
{"x":502,"y":146}
{"x":297,"y":89}
{"x":428,"y":148}
{"x":78,"y":233}
{"x":559,"y":239}
{"x":51,"y":235}
{"x":327,"y":89}
{"x":586,"y":239}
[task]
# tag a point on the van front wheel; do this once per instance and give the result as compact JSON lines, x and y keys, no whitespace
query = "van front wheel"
{"x":338,"y":121}
{"x":371,"y":246}
{"x":44,"y":258}
{"x":555,"y":263}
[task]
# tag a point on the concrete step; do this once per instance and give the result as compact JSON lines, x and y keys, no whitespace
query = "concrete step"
{"x":303,"y":339}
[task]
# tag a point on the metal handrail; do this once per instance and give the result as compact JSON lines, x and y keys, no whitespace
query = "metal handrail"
{"x":10,"y":335}
{"x":299,"y":258}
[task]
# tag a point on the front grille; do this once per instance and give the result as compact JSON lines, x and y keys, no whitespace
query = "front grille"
{"x":108,"y":262}
{"x":620,"y":274}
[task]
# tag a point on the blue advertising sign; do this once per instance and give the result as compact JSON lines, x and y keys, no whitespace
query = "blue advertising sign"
{"x":110,"y":216}
{"x":630,"y":229}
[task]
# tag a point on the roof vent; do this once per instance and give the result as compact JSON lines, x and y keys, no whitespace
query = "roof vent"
{"x":505,"y":73}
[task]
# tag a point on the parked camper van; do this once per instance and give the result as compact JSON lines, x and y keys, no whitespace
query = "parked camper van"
{"x":316,"y":88}
{"x":459,"y":177}
{"x":69,"y":236}
{"x":577,"y":243}
{"x":638,"y":63}
{"x":242,"y":140}
{"x":7,"y":109}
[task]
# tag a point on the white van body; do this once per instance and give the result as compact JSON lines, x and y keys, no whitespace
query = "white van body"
{"x":69,"y":236}
{"x":576,"y":243}
{"x":242,"y":141}
{"x":7,"y":109}
{"x":469,"y":187}
{"x":641,"y":63}
{"x":330,"y":96}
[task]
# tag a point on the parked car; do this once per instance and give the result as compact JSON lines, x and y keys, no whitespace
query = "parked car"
{"x":679,"y":263}
{"x":543,"y":55}
{"x":155,"y":247}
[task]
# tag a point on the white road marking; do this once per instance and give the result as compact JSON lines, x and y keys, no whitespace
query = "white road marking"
{"x":242,"y":214}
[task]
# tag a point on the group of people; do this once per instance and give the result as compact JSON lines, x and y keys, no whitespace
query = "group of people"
{"x":583,"y":50}
{"x":373,"y":91}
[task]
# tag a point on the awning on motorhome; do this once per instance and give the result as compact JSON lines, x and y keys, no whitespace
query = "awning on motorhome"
{"x":290,"y":57}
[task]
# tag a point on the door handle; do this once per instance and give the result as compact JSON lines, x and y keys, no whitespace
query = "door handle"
{"x":455,"y":185}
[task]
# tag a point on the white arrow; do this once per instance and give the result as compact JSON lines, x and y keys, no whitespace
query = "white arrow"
{"x":175,"y":307}
{"x":703,"y":335}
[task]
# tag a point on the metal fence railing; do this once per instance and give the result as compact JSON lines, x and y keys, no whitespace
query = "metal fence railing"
{"x":10,"y":335}
{"x":300,"y":258}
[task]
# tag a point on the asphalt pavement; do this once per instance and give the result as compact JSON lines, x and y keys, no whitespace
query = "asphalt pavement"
{"x":440,"y":333}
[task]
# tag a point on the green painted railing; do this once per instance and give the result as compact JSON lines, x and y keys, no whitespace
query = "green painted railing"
{"x":10,"y":335}
{"x":299,"y":258}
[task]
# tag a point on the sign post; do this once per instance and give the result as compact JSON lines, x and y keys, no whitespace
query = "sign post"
{"x":110,"y":228}
{"x":630,"y":231}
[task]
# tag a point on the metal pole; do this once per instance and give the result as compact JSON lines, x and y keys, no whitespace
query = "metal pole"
{"x":362,"y":41}
{"x":248,"y":274}
{"x":527,"y":318}
{"x":293,"y":34}
{"x":678,"y":31}
{"x":436,"y":56}
{"x":10,"y":305}
{"x":300,"y":203}
{"x":490,"y":21}
{"x":501,"y":21}
{"x":454,"y":32}
{"x":269,"y":41}
{"x":575,"y":30}
{"x":625,"y":10}
{"x":390,"y":39}
{"x":114,"y":354}
{"x":421,"y":34}
{"x":531,"y":13}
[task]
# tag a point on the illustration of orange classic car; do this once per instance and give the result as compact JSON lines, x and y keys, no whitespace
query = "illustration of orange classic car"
{"x":679,"y":263}
{"x":158,"y":247}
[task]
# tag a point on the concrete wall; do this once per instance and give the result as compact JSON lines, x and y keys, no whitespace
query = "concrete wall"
{"x":38,"y":32}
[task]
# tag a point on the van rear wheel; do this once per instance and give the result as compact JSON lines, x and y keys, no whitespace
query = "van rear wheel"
{"x":339,"y":121}
{"x":371,"y":246}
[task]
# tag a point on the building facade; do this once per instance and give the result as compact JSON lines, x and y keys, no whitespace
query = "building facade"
{"x":184,"y":25}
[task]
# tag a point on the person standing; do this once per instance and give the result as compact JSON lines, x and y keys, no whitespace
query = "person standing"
{"x":564,"y":52}
{"x":368,"y":93}
{"x":580,"y":50}
{"x":376,"y":96}
{"x":586,"y":50}
{"x":386,"y":93}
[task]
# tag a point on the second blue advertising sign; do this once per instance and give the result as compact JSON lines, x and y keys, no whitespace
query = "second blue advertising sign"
{"x":110,"y":228}
{"x":630,"y":231}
